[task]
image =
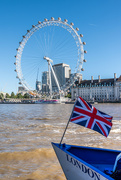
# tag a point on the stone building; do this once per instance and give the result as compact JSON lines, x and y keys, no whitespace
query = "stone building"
{"x":98,"y":89}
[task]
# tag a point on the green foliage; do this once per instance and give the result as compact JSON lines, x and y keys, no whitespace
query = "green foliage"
{"x":1,"y":96}
{"x":12,"y":95}
{"x":19,"y":95}
{"x":7,"y":95}
{"x":26,"y":95}
{"x":69,"y":95}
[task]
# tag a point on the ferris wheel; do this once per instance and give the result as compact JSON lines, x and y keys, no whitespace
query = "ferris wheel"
{"x":51,"y":53}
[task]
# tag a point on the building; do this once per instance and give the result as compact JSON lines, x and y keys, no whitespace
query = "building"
{"x":62,"y":72}
{"x":22,"y":90}
{"x":38,"y":85}
{"x":45,"y":88}
{"x":45,"y":82}
{"x":98,"y":89}
{"x":45,"y":77}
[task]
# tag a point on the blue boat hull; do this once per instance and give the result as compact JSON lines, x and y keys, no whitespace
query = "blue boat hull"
{"x":86,"y":163}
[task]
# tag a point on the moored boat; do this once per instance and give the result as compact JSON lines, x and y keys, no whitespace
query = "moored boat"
{"x":52,"y":101}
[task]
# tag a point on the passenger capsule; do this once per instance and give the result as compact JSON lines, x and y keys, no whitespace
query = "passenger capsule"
{"x":14,"y":63}
{"x":28,"y":31}
{"x":24,"y":36}
{"x":17,"y":49}
{"x":82,"y":69}
{"x":66,"y":20}
{"x":19,"y":82}
{"x":72,"y":24}
{"x":84,"y":60}
{"x":45,"y":20}
{"x":17,"y":77}
{"x":33,"y":26}
{"x":85,"y":51}
{"x":84,"y":43}
{"x":77,"y":29}
{"x":39,"y":22}
{"x":59,"y":19}
{"x":19,"y":42}
{"x":15,"y":70}
{"x":15,"y":56}
{"x":52,"y":18}
{"x":81,"y":35}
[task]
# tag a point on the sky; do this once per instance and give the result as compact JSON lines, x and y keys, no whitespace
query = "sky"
{"x":98,"y":20}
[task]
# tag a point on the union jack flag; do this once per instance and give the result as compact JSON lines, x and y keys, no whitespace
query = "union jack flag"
{"x":88,"y":116}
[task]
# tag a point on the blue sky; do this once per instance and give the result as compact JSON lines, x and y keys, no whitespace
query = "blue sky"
{"x":98,"y":20}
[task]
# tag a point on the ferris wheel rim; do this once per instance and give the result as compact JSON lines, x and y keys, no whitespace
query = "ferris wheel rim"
{"x":46,"y":22}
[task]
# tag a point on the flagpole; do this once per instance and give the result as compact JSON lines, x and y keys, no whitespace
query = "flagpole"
{"x":68,"y":122}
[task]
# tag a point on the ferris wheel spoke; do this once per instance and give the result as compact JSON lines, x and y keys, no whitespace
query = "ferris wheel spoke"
{"x":39,"y":43}
{"x":62,"y":48}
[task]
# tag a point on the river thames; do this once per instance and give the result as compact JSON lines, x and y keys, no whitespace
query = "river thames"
{"x":26,"y":133}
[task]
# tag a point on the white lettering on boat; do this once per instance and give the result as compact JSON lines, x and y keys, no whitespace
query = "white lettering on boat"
{"x":83,"y":168}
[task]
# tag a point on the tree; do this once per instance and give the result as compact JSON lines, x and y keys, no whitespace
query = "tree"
{"x":19,"y":95}
{"x":1,"y":96}
{"x":7,"y":95}
{"x":69,"y":95}
{"x":12,"y":95}
{"x":26,"y":95}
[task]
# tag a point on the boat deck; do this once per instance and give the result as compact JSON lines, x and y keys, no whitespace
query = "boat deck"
{"x":100,"y":158}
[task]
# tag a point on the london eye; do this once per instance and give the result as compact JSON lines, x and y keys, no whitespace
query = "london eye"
{"x":50,"y":57}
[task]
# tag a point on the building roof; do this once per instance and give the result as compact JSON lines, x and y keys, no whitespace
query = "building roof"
{"x":61,"y":64}
{"x":119,"y":79}
{"x":98,"y":82}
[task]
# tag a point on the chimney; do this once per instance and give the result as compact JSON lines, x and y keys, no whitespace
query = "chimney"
{"x":99,"y":78}
{"x":114,"y":76}
{"x":91,"y":79}
{"x":80,"y":78}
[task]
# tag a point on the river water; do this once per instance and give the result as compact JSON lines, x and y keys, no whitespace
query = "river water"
{"x":26,"y":133}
